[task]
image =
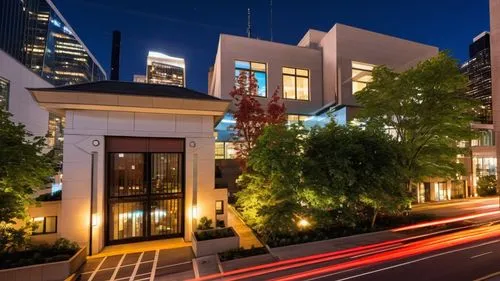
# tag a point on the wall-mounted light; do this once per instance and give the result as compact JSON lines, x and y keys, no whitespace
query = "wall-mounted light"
{"x":96,"y":142}
{"x":95,"y":219}
{"x":192,"y":144}
{"x":194,"y":212}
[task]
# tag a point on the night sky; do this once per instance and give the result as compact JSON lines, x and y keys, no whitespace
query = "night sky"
{"x":190,"y":29}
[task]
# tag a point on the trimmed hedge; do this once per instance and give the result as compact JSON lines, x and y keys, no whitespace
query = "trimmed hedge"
{"x":242,"y":253}
{"x":214,"y":234}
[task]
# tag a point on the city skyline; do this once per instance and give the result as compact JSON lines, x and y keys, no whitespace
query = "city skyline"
{"x":191,"y":30}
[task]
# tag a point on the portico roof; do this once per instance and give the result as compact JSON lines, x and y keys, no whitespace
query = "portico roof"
{"x":129,"y":97}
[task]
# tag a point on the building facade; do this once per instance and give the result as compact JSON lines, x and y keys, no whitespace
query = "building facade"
{"x":138,"y":161}
{"x":495,"y":68}
{"x":321,"y":74}
{"x":140,"y":78}
{"x":165,"y":70}
{"x":35,"y":33}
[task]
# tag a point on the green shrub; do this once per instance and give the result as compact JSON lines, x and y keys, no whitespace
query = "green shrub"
{"x":214,"y":234}
{"x":61,"y":250}
{"x":205,"y":223}
{"x":487,"y":186}
{"x":241,"y":253}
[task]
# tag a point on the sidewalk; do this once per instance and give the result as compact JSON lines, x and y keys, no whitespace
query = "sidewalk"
{"x":319,"y":247}
{"x":247,"y":237}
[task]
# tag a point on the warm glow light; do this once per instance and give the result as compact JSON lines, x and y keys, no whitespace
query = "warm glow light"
{"x":303,"y":223}
{"x":95,"y":219}
{"x":194,"y":212}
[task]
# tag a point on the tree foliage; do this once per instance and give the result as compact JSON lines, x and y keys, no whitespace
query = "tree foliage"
{"x":487,"y":185}
{"x":426,"y":110}
{"x":250,"y":117}
{"x":24,"y":168}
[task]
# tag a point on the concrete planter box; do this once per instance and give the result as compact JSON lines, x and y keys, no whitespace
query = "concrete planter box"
{"x":214,"y":246}
{"x":54,"y":271}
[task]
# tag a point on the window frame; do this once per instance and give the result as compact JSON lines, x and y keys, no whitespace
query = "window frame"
{"x":295,"y":79}
{"x":368,"y":65}
{"x":44,"y":226}
{"x":251,"y":71}
{"x":221,"y":211}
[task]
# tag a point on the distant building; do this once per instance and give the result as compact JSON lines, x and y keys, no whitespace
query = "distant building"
{"x":165,"y":70}
{"x":36,"y":34}
{"x":478,"y":70}
{"x":139,"y":78}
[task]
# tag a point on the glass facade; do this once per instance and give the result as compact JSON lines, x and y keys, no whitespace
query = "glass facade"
{"x":258,"y":70}
{"x":145,"y":195}
{"x":35,"y":33}
{"x":361,"y":75}
{"x":4,"y":93}
{"x":478,"y":70}
{"x":295,"y":83}
{"x":160,"y":73}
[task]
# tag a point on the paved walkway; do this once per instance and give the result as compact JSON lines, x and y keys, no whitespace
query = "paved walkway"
{"x":247,"y":237}
{"x":140,"y":266}
{"x":170,"y":243}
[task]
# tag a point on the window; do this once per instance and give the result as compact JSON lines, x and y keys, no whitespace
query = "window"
{"x":45,"y":225}
{"x":224,"y":150}
{"x":258,"y":70}
{"x":4,"y":93}
{"x":219,"y":207}
{"x":487,"y":138}
{"x":295,"y":83}
{"x":295,"y":118}
{"x":361,"y":75}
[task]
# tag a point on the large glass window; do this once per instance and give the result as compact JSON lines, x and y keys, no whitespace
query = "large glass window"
{"x":295,"y":83}
{"x":224,"y":150}
{"x":486,"y":138}
{"x":361,"y":75}
{"x":4,"y":93}
{"x":145,"y":194}
{"x":485,"y":166}
{"x":45,"y":225}
{"x":295,"y":118}
{"x":257,"y":69}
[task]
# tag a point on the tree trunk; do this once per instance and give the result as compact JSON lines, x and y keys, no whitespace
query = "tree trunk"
{"x":375,"y":212}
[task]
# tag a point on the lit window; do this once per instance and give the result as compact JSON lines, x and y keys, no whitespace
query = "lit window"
{"x":44,"y":225}
{"x":295,"y":118}
{"x":295,"y":83}
{"x":219,"y":150}
{"x":4,"y":93}
{"x":225,"y":150}
{"x":258,"y":70}
{"x":361,"y":75}
{"x":219,"y":207}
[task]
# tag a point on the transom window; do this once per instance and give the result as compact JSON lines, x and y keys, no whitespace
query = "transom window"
{"x":257,"y":69}
{"x":361,"y":75}
{"x":295,"y":83}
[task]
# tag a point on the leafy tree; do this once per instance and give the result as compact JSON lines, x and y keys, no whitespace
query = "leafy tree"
{"x":426,"y":110}
{"x":487,"y":185}
{"x":250,"y":117}
{"x":23,"y":169}
{"x":354,"y":169}
{"x":271,"y":199}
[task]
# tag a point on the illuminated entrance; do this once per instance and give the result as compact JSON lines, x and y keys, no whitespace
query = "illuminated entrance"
{"x":145,"y":186}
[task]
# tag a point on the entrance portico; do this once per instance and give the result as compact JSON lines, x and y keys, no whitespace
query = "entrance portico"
{"x":138,"y":161}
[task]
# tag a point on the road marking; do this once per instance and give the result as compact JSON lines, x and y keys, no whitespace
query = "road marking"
{"x":117,"y":268}
{"x":172,"y":265}
{"x":155,"y":262}
{"x":377,"y":251}
{"x":136,"y":267}
{"x":96,"y":269}
{"x":480,"y":255}
{"x":405,"y":263}
{"x":488,"y":276}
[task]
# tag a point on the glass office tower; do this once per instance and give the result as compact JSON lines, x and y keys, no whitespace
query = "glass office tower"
{"x":35,"y":33}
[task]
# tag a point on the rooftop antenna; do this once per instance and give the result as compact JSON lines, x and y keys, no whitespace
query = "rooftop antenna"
{"x":271,"y":18}
{"x":249,"y":25}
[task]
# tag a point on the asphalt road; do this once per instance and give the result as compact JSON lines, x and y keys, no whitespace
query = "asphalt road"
{"x":458,"y":207}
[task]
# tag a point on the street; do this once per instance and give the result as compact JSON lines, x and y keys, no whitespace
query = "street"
{"x":458,"y":207}
{"x":462,"y":253}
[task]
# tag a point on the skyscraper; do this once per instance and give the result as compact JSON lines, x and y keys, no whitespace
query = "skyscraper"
{"x":166,"y":70}
{"x":36,"y":34}
{"x":478,"y":70}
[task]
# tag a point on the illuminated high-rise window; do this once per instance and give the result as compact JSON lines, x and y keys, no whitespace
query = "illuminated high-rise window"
{"x":165,"y":70}
{"x":295,"y":83}
{"x":257,"y":69}
{"x":361,"y":75}
{"x":4,"y":93}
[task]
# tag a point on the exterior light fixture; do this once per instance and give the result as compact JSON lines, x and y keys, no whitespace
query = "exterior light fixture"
{"x":303,"y":223}
{"x":95,"y":219}
{"x":194,"y":212}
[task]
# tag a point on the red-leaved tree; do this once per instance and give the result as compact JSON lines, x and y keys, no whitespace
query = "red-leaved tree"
{"x":250,"y":117}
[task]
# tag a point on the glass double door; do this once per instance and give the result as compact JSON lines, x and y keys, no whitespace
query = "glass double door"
{"x":145,"y":196}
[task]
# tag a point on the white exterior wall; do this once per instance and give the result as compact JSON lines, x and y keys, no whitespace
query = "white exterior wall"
{"x":21,"y":104}
{"x":276,"y":56}
{"x":82,"y":127}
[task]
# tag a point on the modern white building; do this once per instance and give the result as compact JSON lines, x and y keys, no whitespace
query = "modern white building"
{"x":138,"y":161}
{"x":166,"y":70}
{"x":321,"y":74}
